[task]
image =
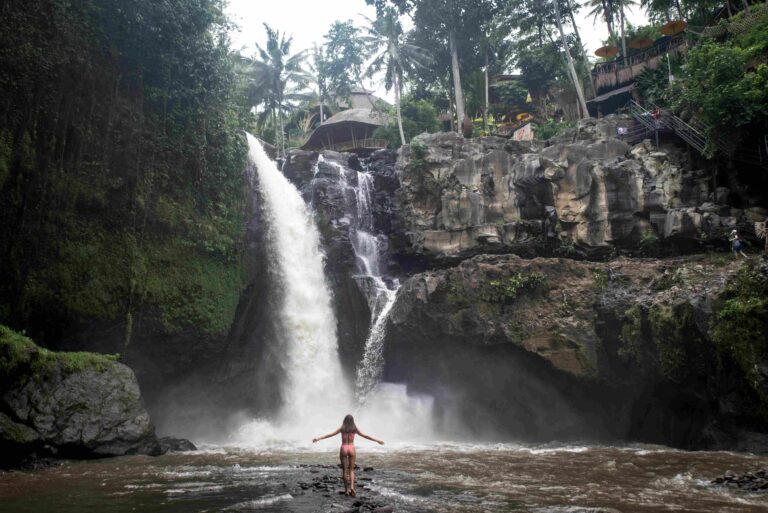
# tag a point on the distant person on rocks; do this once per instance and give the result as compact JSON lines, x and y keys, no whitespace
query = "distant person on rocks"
{"x":736,"y":245}
{"x":761,"y":230}
{"x":347,"y":453}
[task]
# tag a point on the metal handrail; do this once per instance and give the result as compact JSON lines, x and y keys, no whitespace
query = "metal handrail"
{"x":693,"y":133}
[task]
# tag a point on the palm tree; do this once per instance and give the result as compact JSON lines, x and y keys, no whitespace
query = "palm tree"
{"x":569,"y":62}
{"x":662,"y":8}
{"x":319,"y":77}
{"x":395,"y":56}
{"x":610,"y":10}
{"x":582,"y":49}
{"x":282,"y":80}
{"x":604,"y":9}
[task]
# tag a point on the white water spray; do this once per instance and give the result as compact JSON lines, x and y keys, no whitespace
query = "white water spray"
{"x":315,"y":392}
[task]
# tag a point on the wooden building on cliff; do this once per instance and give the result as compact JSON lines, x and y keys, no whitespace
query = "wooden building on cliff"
{"x":615,"y":80}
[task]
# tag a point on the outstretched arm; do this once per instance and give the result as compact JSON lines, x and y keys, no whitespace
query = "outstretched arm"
{"x":380,"y":442}
{"x":315,"y":440}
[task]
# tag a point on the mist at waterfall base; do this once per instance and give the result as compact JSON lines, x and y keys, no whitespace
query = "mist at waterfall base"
{"x":314,"y":393}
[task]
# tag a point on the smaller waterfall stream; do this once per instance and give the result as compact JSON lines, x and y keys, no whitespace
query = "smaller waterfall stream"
{"x":382,"y":296}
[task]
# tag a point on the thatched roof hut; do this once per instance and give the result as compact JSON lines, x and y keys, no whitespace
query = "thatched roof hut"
{"x":348,"y":130}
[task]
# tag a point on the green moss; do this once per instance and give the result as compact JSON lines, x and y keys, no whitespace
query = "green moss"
{"x":671,"y":329}
{"x":741,"y":329}
{"x":5,"y":156}
{"x":649,"y":242}
{"x":20,"y":356}
{"x":631,"y":333}
{"x":600,"y":278}
{"x":667,"y":281}
{"x":192,"y":289}
{"x":418,"y":155}
{"x":493,"y":290}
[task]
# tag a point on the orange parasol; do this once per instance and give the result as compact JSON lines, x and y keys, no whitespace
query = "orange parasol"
{"x":606,"y":51}
{"x":640,"y":42}
{"x":673,"y":27}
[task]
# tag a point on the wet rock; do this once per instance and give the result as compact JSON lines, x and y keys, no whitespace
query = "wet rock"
{"x":81,"y":405}
{"x":756,"y":481}
{"x":168,"y":443}
{"x":615,"y":350}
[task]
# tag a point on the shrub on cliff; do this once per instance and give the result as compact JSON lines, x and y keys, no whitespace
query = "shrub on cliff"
{"x":741,"y":328}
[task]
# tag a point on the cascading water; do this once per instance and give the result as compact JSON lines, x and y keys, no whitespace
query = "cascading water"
{"x":314,"y":392}
{"x":383,"y":298}
{"x":315,"y":395}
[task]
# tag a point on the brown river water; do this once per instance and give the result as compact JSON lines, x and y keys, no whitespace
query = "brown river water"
{"x":435,"y":478}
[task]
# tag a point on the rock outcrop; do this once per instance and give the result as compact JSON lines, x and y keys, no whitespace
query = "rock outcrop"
{"x":68,"y":404}
{"x":555,"y":348}
{"x":588,"y":192}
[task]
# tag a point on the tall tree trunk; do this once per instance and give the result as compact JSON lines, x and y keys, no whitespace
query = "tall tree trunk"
{"x":281,"y":147}
{"x":608,"y":15}
{"x":583,"y":50}
{"x":571,"y":68}
{"x":485,"y":110}
{"x":679,"y":10}
{"x":397,"y":108}
{"x":623,"y":36}
{"x":321,"y":111}
{"x":456,"y":80}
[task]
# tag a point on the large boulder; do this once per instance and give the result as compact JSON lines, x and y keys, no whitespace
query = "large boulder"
{"x":68,"y":404}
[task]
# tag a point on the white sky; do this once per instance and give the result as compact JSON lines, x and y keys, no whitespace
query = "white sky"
{"x":309,"y":20}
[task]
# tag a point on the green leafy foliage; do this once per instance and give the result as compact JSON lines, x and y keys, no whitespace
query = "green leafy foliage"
{"x":419,"y":116}
{"x":653,"y":85}
{"x":671,"y":327}
{"x":551,"y":128}
{"x":121,"y":155}
{"x":718,"y":87}
{"x":494,"y":290}
{"x":741,"y":328}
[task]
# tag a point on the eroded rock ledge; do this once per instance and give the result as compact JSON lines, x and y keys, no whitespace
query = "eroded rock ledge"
{"x":547,"y":348}
{"x":588,"y":193}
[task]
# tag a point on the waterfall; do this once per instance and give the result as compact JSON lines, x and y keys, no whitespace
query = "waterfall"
{"x":367,"y":250}
{"x":315,"y":392}
{"x":315,"y":395}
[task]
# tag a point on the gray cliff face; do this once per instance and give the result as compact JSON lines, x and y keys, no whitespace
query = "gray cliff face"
{"x":550,"y":348}
{"x":587,"y":191}
{"x":512,"y":330}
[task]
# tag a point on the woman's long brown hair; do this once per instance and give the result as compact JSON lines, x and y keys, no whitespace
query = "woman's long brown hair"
{"x":348,"y":426}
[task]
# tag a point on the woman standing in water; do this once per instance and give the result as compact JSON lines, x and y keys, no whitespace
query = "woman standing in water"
{"x":347,"y":453}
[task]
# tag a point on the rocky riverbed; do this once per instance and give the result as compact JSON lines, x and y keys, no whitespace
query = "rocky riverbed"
{"x":444,"y":478}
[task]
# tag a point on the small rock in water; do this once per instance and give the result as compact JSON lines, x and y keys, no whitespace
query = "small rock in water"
{"x":368,"y":469}
{"x":751,"y":481}
{"x":171,"y":444}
